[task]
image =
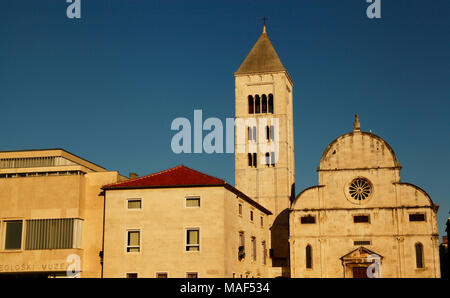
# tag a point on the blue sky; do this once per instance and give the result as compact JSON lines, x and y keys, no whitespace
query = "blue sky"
{"x":107,"y":86}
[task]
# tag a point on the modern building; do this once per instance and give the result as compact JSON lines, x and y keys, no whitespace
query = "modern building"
{"x":361,"y":220}
{"x":264,"y":158}
{"x":183,"y":223}
{"x":51,"y":213}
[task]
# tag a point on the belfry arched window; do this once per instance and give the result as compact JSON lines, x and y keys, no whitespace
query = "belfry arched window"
{"x":419,"y":255}
{"x":251,"y":108}
{"x":271,"y":103}
{"x":257,"y":104}
{"x":264,"y":104}
{"x":308,"y":256}
{"x":267,"y":158}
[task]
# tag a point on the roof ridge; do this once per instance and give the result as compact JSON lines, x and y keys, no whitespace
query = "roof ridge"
{"x":204,"y":174}
{"x":146,"y":176}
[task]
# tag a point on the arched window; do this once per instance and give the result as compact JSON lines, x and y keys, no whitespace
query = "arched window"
{"x":267,"y":133}
{"x":419,"y":255}
{"x":308,"y":257}
{"x":257,"y":104}
{"x":250,"y":160}
{"x":271,"y":103}
{"x":264,"y":104}
{"x":267,"y":159}
{"x":251,"y":108}
{"x":255,"y":160}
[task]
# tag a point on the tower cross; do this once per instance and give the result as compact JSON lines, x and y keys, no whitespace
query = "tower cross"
{"x":264,"y":20}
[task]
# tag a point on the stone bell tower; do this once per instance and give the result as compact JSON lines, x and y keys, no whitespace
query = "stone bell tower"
{"x":264,"y":102}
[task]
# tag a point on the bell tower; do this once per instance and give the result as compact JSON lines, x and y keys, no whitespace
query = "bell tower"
{"x":264,"y":158}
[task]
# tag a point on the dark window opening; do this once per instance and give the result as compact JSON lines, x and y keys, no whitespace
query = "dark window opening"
{"x":419,"y":255}
{"x":308,"y":219}
{"x":308,"y":257}
{"x":417,"y":217}
{"x":264,"y":103}
{"x":271,"y":103}
{"x":361,"y":219}
{"x":251,"y":108}
{"x":257,"y":104}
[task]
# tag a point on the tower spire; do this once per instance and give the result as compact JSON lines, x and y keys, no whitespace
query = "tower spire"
{"x":356,"y":124}
{"x":264,"y":26}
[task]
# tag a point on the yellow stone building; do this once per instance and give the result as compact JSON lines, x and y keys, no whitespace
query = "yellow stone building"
{"x":183,"y":223}
{"x":51,"y":213}
{"x":362,"y":220}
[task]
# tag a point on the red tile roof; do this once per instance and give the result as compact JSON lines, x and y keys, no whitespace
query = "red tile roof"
{"x":178,"y":176}
{"x":181,"y":176}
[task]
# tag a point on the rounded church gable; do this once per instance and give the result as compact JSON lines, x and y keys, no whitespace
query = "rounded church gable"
{"x":308,"y":198}
{"x":358,"y":150}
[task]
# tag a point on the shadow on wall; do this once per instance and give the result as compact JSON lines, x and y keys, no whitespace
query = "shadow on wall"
{"x":279,"y":233}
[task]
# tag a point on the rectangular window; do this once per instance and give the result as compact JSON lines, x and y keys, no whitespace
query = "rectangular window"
{"x":13,"y":234}
{"x":361,"y":219}
{"x":272,"y":133}
{"x":133,"y":241}
{"x":134,"y":203}
{"x":240,"y":209}
{"x":417,"y":217}
{"x":132,"y":275}
{"x":241,"y":250}
{"x":192,"y":275}
{"x":251,"y":215}
{"x":192,"y":202}
{"x":264,"y":252}
{"x":254,"y":248}
{"x":192,"y":240}
{"x":308,"y":219}
{"x":161,"y":275}
{"x":272,"y":159}
{"x":255,"y":160}
{"x":262,"y":221}
{"x":360,"y":243}
{"x":59,"y":233}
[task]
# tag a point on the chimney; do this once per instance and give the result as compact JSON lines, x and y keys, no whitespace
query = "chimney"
{"x":133,"y":176}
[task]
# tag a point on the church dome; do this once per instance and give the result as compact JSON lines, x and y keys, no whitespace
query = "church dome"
{"x":358,"y":150}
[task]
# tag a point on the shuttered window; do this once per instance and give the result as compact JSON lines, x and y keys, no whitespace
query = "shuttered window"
{"x":192,"y":240}
{"x":133,"y":241}
{"x":53,"y":233}
{"x":134,"y":203}
{"x":192,"y":202}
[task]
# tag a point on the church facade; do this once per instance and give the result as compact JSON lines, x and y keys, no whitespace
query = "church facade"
{"x":361,"y":220}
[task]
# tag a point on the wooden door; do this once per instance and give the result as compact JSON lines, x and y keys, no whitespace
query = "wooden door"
{"x":360,"y":272}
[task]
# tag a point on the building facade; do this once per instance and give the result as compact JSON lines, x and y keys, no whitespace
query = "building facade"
{"x":264,"y":158}
{"x":183,"y":223}
{"x":362,"y":220}
{"x":51,"y":213}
